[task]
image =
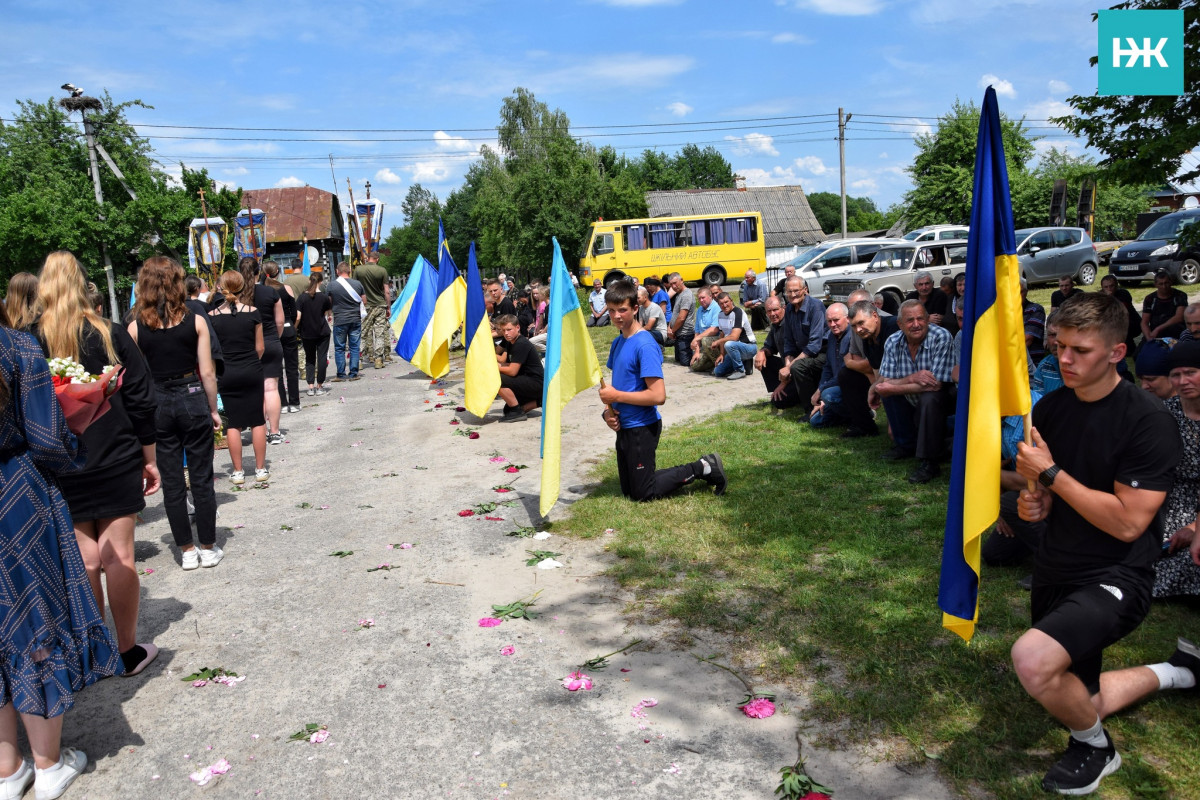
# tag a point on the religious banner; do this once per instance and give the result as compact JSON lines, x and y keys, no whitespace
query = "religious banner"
{"x":354,"y":249}
{"x":206,"y":246}
{"x":250,"y":236}
{"x":370,"y":220}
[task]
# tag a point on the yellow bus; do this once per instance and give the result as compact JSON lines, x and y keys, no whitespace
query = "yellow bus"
{"x":711,"y":248}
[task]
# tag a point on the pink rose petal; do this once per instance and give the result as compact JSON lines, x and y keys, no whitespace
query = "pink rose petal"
{"x":460,"y":409}
{"x":489,"y":622}
{"x":466,"y":512}
{"x":512,"y":469}
{"x":406,"y":546}
{"x":759,"y":709}
{"x":507,"y":650}
{"x":472,"y":435}
{"x":497,"y":459}
{"x":318,"y":737}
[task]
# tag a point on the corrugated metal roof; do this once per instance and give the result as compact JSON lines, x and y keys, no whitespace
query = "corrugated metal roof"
{"x":291,"y":210}
{"x":787,"y":218}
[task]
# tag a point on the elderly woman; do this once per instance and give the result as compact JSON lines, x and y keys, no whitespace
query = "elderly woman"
{"x":1178,"y":573}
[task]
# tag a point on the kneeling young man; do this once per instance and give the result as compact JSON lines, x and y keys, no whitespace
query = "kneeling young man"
{"x":1093,"y":572}
{"x":521,"y":373}
{"x":637,"y":390}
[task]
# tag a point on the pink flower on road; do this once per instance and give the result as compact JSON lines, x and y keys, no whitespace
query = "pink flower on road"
{"x":198,"y":684}
{"x":406,"y":545}
{"x":576,"y":681}
{"x":472,"y":435}
{"x":759,"y":709}
{"x":512,"y":469}
{"x":507,"y":650}
{"x":639,"y":711}
{"x":318,"y":736}
{"x":497,"y":459}
{"x":466,"y":512}
{"x":489,"y":622}
{"x":206,"y":774}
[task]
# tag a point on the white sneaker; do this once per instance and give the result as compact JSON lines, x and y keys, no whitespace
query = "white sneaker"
{"x":285,"y":409}
{"x":237,"y":478}
{"x":262,"y":475}
{"x":190,"y":560}
{"x":12,"y":787}
{"x":49,"y":784}
{"x":294,"y":409}
{"x":210,"y":558}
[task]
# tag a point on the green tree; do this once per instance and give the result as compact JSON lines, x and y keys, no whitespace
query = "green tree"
{"x":1117,"y":203}
{"x":861,"y":212}
{"x":417,"y":236}
{"x":1145,"y":138}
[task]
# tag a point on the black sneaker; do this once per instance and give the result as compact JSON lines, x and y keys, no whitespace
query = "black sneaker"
{"x":516,"y":416}
{"x":1080,"y":769}
{"x":856,"y":433}
{"x":1186,"y":655}
{"x":897,"y":453}
{"x":716,"y":476}
{"x":925,"y":472}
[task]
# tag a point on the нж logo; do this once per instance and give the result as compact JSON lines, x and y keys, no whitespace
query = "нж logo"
{"x":1140,"y":52}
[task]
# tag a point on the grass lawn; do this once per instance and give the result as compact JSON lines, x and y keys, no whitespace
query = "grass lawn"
{"x":822,"y":563}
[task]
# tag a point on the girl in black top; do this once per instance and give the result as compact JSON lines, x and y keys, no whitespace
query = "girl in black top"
{"x":241,"y":384}
{"x":313,"y":306}
{"x":289,"y":389}
{"x":176,"y":344}
{"x":106,"y":496}
{"x":270,"y":308}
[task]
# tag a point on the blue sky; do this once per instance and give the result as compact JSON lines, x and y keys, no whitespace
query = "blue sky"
{"x":439,"y":70}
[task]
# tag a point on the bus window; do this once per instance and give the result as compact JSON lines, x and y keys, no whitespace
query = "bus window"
{"x":666,"y":235}
{"x":635,"y":237}
{"x":603,"y":244}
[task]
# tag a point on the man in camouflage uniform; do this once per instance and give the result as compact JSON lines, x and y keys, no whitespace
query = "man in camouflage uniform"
{"x":377,"y":334}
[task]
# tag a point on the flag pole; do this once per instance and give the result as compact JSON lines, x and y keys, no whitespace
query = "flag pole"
{"x":1028,"y":420}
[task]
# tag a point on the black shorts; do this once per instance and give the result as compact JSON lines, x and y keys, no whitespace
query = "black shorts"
{"x":1087,"y":619}
{"x":526,"y":388}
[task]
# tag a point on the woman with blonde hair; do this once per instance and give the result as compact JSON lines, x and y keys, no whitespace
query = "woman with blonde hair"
{"x":239,"y":328}
{"x":20,"y":301}
{"x":106,"y":495}
{"x":175,"y":341}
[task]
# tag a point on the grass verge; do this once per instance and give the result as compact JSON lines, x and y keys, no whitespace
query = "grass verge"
{"x":822,"y":563}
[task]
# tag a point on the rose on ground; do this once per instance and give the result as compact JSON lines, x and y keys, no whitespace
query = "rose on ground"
{"x":759,"y":709}
{"x":489,"y":622}
{"x":577,"y":681}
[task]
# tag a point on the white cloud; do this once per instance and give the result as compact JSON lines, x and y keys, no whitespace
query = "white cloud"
{"x":812,"y":164}
{"x":434,"y":171}
{"x":913,"y":127}
{"x":753,"y":144}
{"x":445,"y":141}
{"x":1047,"y":108}
{"x":680,"y":109}
{"x":274,"y":102}
{"x":639,"y":3}
{"x":775,"y":177}
{"x":790,"y":38}
{"x":883,"y":155}
{"x":865,"y":185}
{"x":842,"y":8}
{"x":289,"y":182}
{"x":236,"y":171}
{"x":1058,"y":87}
{"x":1003,"y":88}
{"x":385,"y":175}
{"x":619,"y":69}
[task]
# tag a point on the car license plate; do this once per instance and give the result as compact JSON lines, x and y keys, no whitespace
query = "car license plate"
{"x":1132,"y":268}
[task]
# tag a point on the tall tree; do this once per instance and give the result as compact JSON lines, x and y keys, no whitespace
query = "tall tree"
{"x":417,"y":236}
{"x":1145,"y":138}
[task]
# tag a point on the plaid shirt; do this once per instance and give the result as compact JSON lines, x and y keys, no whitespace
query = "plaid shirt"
{"x":936,"y":354}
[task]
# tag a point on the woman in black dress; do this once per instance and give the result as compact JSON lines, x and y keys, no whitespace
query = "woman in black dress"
{"x":289,"y":386}
{"x":270,"y":309}
{"x":313,"y":305}
{"x":241,"y":384}
{"x":105,"y":497}
{"x":175,"y":341}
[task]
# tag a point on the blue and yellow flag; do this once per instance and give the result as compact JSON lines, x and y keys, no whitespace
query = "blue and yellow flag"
{"x":993,"y":378}
{"x":400,"y":308}
{"x":420,"y":312}
{"x":571,"y":367}
{"x":481,"y":379}
{"x":432,"y":355}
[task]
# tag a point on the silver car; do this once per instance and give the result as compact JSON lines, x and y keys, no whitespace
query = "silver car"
{"x":1047,"y":254}
{"x":891,"y":271}
{"x":830,"y":259}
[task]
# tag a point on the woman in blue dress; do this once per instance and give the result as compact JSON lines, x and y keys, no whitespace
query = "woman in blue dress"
{"x":53,"y":641}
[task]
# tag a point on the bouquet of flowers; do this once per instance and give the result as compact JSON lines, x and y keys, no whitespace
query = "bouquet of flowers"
{"x":83,"y":397}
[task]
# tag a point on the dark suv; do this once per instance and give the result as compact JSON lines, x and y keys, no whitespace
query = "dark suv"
{"x":1159,"y":248}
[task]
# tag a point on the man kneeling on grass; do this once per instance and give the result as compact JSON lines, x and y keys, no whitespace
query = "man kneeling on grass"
{"x":521,"y":374}
{"x":637,"y":390}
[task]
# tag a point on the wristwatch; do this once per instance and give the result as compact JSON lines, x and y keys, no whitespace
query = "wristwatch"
{"x":1046,"y":478}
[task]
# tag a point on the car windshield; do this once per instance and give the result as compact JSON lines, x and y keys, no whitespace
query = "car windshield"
{"x":1167,"y":227}
{"x":912,"y":236}
{"x":811,"y":254}
{"x":587,"y":242}
{"x":891,"y":258}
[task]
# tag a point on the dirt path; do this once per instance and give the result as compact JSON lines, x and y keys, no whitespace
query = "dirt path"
{"x":424,"y":704}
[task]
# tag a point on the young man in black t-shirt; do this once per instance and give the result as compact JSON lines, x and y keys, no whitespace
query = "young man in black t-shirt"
{"x":521,"y":373}
{"x":1099,"y":496}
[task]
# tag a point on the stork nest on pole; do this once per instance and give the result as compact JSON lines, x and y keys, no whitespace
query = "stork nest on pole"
{"x":82,"y":103}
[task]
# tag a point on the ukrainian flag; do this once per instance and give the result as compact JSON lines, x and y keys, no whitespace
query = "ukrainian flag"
{"x":482,"y":372}
{"x":993,"y":380}
{"x":305,"y":267}
{"x":433,"y":353}
{"x":400,"y":308}
{"x":412,"y":324}
{"x":571,"y":367}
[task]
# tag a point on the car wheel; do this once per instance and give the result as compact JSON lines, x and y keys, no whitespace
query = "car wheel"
{"x":892,"y":300}
{"x":612,"y":278}
{"x":1087,"y":274}
{"x":713,"y":273}
{"x":1189,"y":272}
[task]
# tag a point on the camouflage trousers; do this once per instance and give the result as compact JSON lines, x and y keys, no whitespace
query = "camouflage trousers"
{"x":376,"y":334}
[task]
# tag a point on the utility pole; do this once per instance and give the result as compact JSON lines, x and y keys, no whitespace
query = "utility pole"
{"x":843,"y":118}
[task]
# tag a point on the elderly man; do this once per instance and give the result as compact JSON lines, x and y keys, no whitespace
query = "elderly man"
{"x":827,"y":399}
{"x":788,"y":272}
{"x":803,"y":341}
{"x":704,"y":355}
{"x":769,"y":360}
{"x":753,"y":294}
{"x":934,"y":300}
{"x":736,"y":342}
{"x":1191,"y":323}
{"x":599,"y":317}
{"x":914,"y":387}
{"x":651,"y":317}
{"x":870,"y":329}
{"x":682,"y":328}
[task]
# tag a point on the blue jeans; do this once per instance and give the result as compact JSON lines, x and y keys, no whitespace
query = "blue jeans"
{"x":353,"y":331}
{"x":833,"y":414}
{"x":736,"y":356}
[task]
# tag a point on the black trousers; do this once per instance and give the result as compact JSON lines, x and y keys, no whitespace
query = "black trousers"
{"x":758,"y":318}
{"x":316,"y":354}
{"x":289,"y":387}
{"x":806,"y":374}
{"x":855,"y":386}
{"x":770,"y":376}
{"x":1004,"y":551}
{"x":920,"y":427}
{"x":184,"y":426}
{"x":636,"y":448}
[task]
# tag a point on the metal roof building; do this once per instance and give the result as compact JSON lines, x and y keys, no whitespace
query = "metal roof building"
{"x":292,"y":210}
{"x":788,"y":221}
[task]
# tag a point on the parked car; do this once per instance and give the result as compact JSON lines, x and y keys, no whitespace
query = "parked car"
{"x":934,"y":233}
{"x":1159,"y":248}
{"x":891,"y":271}
{"x":1047,"y":254}
{"x":830,"y":259}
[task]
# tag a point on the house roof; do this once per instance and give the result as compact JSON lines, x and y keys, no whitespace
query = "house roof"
{"x":291,"y":210}
{"x":787,"y":218}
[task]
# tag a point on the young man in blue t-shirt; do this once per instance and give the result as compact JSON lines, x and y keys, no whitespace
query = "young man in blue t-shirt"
{"x":637,"y":389}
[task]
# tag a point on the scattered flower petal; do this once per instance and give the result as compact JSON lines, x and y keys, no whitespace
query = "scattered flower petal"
{"x":149,"y":570}
{"x":460,"y":409}
{"x":540,"y":535}
{"x":318,"y":736}
{"x":198,"y":684}
{"x":673,"y":769}
{"x":511,"y":469}
{"x":206,"y":774}
{"x":507,"y":650}
{"x":495,"y":519}
{"x":497,"y":459}
{"x":381,"y":686}
{"x":455,"y":422}
{"x":466,"y":512}
{"x":406,"y":545}
{"x":576,"y":681}
{"x":549,"y":563}
{"x":473,"y":435}
{"x":489,"y":622}
{"x":759,"y":709}
{"x":437,"y":405}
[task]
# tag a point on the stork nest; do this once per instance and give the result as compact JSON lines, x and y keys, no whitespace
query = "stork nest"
{"x":80,"y":104}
